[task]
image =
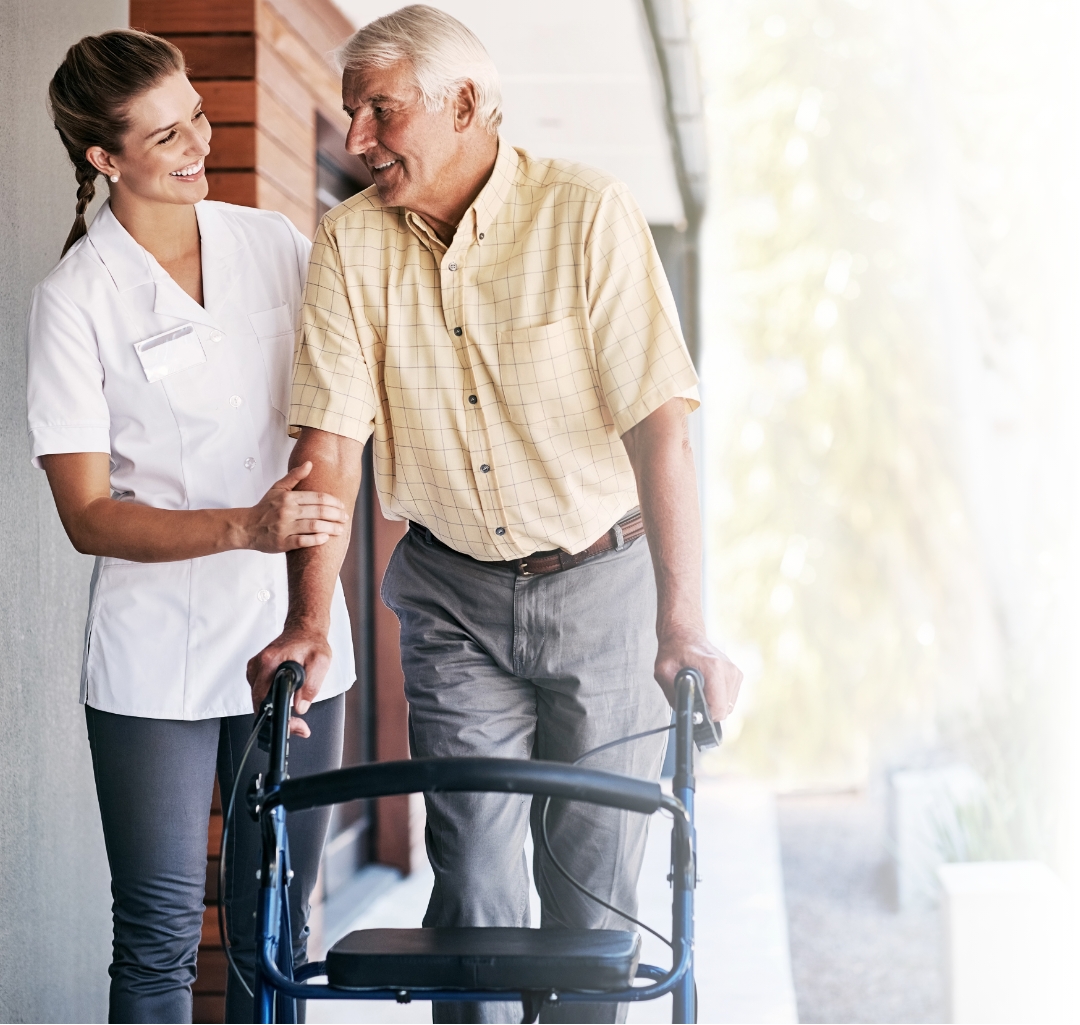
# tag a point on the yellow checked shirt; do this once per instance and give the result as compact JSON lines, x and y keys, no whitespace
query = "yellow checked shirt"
{"x":498,"y":374}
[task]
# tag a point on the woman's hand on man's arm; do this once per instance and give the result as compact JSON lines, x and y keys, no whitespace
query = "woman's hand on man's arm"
{"x":97,"y":524}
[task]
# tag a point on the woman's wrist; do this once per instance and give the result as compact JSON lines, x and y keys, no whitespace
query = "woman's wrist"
{"x":237,"y":529}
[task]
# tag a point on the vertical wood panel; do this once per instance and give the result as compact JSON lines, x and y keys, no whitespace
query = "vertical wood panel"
{"x":238,"y":187}
{"x":164,"y":16}
{"x":228,"y":101}
{"x":270,"y":197}
{"x":217,"y":56}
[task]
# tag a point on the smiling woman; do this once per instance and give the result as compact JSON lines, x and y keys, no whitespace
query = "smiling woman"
{"x":159,"y":351}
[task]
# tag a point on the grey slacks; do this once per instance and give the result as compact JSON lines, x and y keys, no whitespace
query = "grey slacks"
{"x":529,"y":667}
{"x":155,"y":783}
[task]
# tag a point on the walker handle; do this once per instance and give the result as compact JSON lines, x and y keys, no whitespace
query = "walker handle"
{"x":274,"y":736}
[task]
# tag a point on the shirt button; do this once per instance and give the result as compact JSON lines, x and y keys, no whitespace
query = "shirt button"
{"x":263,"y":595}
{"x":457,"y":331}
{"x":452,"y":266}
{"x":249,"y":463}
{"x":484,"y":467}
{"x":472,"y":400}
{"x":481,"y":235}
{"x":236,"y":402}
{"x":216,"y":336}
{"x":500,"y":531}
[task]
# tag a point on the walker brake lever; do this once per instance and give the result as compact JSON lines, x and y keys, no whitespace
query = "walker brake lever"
{"x":254,"y":796}
{"x":707,"y":731}
{"x":266,"y":733}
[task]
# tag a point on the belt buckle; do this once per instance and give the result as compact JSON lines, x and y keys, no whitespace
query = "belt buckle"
{"x":523,"y":567}
{"x":620,"y":542}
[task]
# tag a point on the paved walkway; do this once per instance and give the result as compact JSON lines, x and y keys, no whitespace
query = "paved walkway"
{"x":856,"y":959}
{"x":743,"y":965}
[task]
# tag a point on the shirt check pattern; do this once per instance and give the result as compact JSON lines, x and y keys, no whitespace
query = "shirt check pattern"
{"x":499,"y":373}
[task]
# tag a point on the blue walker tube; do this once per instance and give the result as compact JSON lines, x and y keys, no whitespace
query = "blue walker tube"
{"x":272,"y":914}
{"x":682,"y":909}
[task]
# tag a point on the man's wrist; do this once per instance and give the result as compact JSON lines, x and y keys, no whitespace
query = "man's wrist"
{"x":308,"y":623}
{"x":687,"y":622}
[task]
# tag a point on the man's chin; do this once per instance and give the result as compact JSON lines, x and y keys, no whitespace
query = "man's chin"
{"x":392,"y":186}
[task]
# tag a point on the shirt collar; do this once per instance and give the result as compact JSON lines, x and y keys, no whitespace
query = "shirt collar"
{"x":125,"y":260}
{"x":496,"y":191}
{"x":479,"y":217}
{"x":130,"y":265}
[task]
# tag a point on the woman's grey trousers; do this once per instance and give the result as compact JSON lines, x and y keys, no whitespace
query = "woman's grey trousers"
{"x":155,"y":784}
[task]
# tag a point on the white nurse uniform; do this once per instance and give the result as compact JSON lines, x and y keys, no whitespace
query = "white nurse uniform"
{"x":191,"y":403}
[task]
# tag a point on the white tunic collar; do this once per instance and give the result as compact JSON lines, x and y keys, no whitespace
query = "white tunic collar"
{"x":131,"y":266}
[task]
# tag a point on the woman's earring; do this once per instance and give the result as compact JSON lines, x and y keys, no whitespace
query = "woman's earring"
{"x":114,"y":177}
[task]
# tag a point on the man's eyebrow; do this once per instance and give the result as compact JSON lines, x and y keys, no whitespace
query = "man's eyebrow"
{"x":169,"y":128}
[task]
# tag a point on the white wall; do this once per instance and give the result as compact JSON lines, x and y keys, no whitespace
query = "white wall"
{"x":55,"y":932}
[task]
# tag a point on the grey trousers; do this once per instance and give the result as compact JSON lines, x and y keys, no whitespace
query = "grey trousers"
{"x":529,"y":667}
{"x":155,"y":783}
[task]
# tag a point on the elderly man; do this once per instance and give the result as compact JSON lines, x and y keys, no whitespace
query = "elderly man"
{"x":502,"y":325}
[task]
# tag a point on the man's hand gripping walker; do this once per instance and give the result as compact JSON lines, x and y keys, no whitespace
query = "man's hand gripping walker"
{"x":535,"y":966}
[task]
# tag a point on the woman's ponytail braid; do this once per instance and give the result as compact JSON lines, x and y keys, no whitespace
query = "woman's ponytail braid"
{"x":85,"y":175}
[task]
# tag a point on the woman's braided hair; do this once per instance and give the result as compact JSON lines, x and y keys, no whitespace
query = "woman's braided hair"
{"x":89,"y":97}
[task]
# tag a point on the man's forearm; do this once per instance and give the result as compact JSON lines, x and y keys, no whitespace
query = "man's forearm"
{"x":336,"y":463}
{"x":659,"y":450}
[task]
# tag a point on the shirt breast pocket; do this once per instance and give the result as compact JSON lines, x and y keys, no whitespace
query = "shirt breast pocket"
{"x":277,"y":336}
{"x":170,"y":352}
{"x":547,"y":379}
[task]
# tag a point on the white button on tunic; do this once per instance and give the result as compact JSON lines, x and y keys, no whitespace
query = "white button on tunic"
{"x":121,"y":360}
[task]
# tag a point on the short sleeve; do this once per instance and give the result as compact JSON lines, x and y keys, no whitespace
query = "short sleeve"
{"x":302,"y":246}
{"x":642,"y":359}
{"x":65,"y":398}
{"x":332,"y":389}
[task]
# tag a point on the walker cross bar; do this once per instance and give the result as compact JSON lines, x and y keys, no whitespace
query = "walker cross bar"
{"x":530,"y":965}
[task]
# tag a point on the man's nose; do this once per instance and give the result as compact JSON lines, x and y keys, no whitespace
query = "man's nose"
{"x":361,"y":135}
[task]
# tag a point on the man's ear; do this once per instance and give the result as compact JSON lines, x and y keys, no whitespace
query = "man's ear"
{"x":465,"y":107}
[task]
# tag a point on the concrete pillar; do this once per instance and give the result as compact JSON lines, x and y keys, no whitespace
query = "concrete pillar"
{"x":926,"y":828}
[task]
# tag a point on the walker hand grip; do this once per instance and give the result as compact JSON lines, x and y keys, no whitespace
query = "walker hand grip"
{"x":288,"y":679}
{"x":292,"y":675}
{"x":707,"y":731}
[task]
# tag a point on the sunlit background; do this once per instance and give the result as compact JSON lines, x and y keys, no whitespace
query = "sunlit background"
{"x":891,"y":324}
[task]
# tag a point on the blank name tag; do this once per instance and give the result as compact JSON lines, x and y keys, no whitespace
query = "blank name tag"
{"x":169,"y":352}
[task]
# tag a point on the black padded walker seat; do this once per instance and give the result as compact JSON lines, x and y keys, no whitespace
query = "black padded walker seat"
{"x":489,"y":958}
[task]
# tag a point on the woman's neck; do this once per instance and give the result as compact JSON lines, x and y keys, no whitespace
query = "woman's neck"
{"x":169,"y":232}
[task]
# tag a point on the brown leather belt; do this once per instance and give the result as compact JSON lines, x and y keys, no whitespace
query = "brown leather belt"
{"x":628,"y":529}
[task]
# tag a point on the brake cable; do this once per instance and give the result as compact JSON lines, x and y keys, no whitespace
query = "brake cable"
{"x":237,"y":777}
{"x":559,"y":865}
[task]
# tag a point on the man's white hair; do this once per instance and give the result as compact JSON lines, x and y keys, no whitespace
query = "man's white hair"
{"x":442,"y":52}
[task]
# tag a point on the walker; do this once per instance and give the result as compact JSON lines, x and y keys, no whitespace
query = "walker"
{"x":536,"y":966}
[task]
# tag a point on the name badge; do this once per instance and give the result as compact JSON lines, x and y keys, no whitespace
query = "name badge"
{"x":171,"y":351}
